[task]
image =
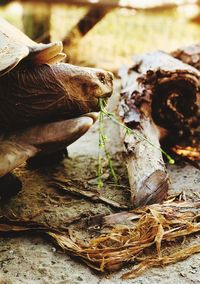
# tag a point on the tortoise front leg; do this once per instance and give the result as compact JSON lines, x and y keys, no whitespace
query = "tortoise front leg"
{"x":63,"y":133}
{"x":12,"y":154}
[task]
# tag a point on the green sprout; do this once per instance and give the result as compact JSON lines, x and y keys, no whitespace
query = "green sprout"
{"x":102,"y":145}
{"x":103,"y":138}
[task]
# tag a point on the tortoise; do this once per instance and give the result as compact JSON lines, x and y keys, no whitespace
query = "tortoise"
{"x":45,"y":105}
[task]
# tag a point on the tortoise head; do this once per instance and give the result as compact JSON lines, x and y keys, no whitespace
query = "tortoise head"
{"x":33,"y":94}
{"x":83,"y":86}
{"x":35,"y":88}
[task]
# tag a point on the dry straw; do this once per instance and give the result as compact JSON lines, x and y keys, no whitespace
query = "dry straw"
{"x":145,"y":241}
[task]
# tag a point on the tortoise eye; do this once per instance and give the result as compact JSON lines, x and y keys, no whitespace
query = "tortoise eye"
{"x":102,"y":78}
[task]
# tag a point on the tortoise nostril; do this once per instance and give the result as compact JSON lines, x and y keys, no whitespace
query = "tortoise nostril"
{"x":101,"y":77}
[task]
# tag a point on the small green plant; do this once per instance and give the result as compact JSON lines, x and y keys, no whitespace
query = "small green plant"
{"x":102,"y":145}
{"x":103,"y":138}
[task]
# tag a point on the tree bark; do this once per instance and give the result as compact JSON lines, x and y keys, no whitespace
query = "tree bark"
{"x":146,"y":169}
{"x":190,"y":149}
{"x":159,"y":96}
{"x":189,"y":55}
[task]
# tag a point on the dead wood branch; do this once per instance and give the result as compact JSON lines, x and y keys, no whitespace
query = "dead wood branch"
{"x":159,"y":98}
{"x":189,"y":55}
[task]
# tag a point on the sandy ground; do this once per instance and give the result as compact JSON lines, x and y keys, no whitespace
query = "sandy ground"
{"x":34,"y":260}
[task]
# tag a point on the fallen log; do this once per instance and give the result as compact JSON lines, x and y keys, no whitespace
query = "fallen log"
{"x":146,"y":169}
{"x":189,"y":55}
{"x":159,"y":98}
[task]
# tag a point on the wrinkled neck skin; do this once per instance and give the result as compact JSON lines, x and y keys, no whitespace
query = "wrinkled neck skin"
{"x":35,"y":94}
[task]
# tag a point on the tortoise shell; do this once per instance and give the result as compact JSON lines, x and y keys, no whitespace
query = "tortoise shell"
{"x":15,"y":46}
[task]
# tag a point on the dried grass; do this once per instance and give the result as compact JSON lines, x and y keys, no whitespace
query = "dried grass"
{"x":154,"y":235}
{"x":146,"y":242}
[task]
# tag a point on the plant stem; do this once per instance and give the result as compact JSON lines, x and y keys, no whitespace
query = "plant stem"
{"x":112,"y":117}
{"x":102,"y":144}
{"x":99,"y":170}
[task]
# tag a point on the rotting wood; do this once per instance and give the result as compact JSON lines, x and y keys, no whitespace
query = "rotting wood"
{"x":189,"y":150}
{"x":189,"y":54}
{"x":159,"y":98}
{"x":146,"y":169}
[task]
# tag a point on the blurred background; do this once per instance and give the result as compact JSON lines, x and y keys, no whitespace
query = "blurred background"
{"x":107,"y":33}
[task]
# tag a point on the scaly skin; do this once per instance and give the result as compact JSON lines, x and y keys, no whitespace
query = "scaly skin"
{"x":32,"y":94}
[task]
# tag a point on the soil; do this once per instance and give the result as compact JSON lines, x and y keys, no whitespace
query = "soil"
{"x":31,"y":258}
